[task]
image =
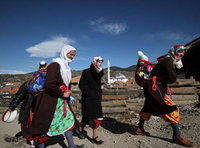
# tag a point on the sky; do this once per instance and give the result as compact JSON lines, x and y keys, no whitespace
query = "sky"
{"x":36,"y":30}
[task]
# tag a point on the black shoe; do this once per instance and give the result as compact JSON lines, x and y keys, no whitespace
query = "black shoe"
{"x":94,"y":140}
{"x":80,"y":134}
{"x":80,"y":146}
{"x":11,"y":139}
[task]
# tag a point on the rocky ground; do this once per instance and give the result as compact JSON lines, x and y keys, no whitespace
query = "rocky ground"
{"x":118,"y":131}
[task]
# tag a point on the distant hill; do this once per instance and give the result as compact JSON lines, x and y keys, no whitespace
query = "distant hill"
{"x":130,"y":69}
{"x":15,"y":77}
{"x":128,"y":72}
{"x":24,"y":77}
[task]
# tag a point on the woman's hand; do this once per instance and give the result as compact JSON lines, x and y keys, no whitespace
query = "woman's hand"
{"x":67,"y":94}
{"x":9,"y":110}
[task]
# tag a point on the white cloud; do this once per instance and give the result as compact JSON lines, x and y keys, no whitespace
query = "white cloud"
{"x":101,"y":25}
{"x":33,"y":67}
{"x":7,"y":71}
{"x":49,"y":48}
{"x":97,"y":21}
{"x":113,"y":29}
{"x":166,"y":36}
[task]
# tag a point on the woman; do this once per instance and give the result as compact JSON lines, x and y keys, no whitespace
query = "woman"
{"x":155,"y":90}
{"x":52,"y":115}
{"x":27,"y":104}
{"x":90,"y":85}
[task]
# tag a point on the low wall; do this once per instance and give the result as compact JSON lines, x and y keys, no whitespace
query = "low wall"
{"x":125,"y":100}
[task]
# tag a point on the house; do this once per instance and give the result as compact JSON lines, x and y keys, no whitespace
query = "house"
{"x":75,"y":82}
{"x":118,"y":84}
{"x":11,"y":88}
{"x":191,"y":61}
{"x":131,"y":82}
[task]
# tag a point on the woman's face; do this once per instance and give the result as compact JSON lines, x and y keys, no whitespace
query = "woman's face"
{"x":71,"y":54}
{"x":180,"y":55}
{"x":99,"y":63}
{"x":43,"y":67}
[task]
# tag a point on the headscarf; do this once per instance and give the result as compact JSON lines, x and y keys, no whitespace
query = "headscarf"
{"x":173,"y":53}
{"x":95,"y":61}
{"x":43,"y":64}
{"x":177,"y":48}
{"x":64,"y":62}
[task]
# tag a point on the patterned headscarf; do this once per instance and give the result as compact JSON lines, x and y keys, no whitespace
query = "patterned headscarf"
{"x":64,"y":62}
{"x":173,"y":53}
{"x":177,"y":48}
{"x":95,"y":61}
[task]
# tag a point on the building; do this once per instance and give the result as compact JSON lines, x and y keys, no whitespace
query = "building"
{"x":191,"y":59}
{"x":10,"y":88}
{"x":131,"y":82}
{"x":119,"y":77}
{"x":75,"y":82}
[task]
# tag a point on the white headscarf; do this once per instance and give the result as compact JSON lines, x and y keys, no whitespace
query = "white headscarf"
{"x":64,"y":62}
{"x":95,"y":61}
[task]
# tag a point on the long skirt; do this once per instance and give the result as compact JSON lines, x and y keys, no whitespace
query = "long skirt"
{"x":60,"y":123}
{"x":172,"y":117}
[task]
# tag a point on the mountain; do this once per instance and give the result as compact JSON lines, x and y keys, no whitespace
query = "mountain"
{"x":23,"y":77}
{"x":129,"y":69}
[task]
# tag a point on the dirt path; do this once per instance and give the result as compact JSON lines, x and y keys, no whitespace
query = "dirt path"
{"x":119,"y":132}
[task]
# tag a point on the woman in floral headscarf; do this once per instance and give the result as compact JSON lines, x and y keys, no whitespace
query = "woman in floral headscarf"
{"x":155,"y":90}
{"x":52,"y":115}
{"x":90,"y":85}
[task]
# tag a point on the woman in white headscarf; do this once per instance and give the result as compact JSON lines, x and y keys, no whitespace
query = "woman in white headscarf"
{"x":52,"y":114}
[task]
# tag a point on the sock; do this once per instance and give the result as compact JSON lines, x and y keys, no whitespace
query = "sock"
{"x":32,"y":143}
{"x":42,"y":145}
{"x":68,"y":135}
{"x":141,"y":123}
{"x":175,"y":129}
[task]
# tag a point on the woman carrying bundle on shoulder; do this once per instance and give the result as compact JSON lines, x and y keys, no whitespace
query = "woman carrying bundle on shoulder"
{"x":155,"y":88}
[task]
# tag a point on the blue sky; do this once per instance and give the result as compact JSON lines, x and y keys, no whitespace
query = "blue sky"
{"x":31,"y":31}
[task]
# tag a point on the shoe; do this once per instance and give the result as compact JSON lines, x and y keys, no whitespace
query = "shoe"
{"x":141,"y":132}
{"x":94,"y":140}
{"x":80,"y":134}
{"x":80,"y":146}
{"x":11,"y":139}
{"x":181,"y":140}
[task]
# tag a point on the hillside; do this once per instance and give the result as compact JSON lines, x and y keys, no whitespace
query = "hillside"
{"x":130,"y":69}
{"x":15,"y":77}
{"x":128,"y":72}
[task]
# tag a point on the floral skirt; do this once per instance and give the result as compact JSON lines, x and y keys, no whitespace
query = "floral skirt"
{"x":60,"y":123}
{"x":172,"y":117}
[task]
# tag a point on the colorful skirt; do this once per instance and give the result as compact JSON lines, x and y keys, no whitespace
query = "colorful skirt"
{"x":172,"y":117}
{"x":60,"y":123}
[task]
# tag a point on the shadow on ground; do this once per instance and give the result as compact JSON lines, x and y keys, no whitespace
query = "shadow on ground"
{"x":117,"y":127}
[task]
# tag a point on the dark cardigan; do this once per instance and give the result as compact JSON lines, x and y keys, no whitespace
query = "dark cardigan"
{"x":90,"y":85}
{"x":154,"y":100}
